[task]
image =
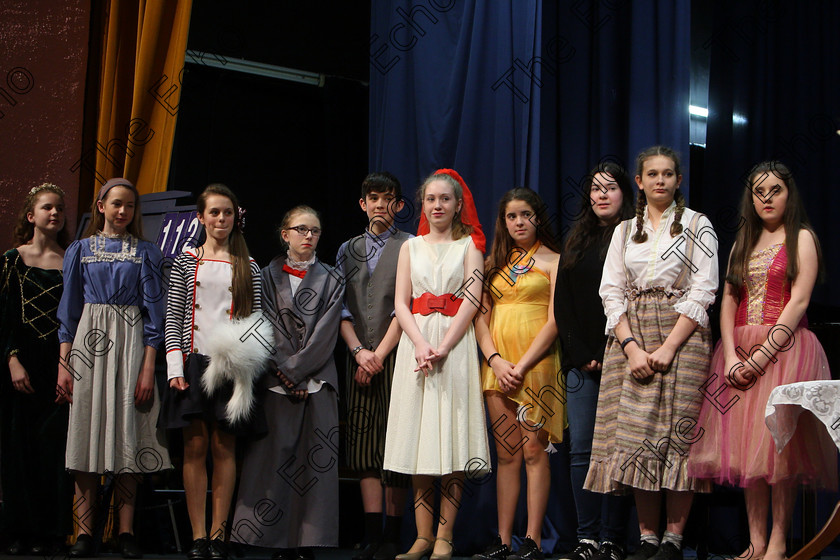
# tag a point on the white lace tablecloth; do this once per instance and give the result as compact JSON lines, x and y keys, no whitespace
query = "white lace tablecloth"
{"x":787,"y":402}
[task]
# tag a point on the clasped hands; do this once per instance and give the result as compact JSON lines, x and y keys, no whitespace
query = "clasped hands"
{"x":426,"y":356}
{"x":508,"y":375}
{"x":295,"y":394}
{"x":742,"y":374}
{"x":369,"y":364}
{"x":643,"y":364}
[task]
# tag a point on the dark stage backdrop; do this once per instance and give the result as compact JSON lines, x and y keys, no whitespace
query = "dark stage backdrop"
{"x":622,"y":84}
{"x":531,"y":96}
{"x":276,"y":144}
{"x":774,"y":93}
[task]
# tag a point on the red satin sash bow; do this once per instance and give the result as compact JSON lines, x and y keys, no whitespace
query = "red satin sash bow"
{"x":294,"y":271}
{"x":430,"y":303}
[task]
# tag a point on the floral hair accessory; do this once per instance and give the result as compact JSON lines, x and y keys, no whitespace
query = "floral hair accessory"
{"x":240,"y":221}
{"x":44,"y":186}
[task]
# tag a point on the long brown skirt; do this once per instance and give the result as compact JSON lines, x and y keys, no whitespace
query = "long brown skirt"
{"x":644,"y":428}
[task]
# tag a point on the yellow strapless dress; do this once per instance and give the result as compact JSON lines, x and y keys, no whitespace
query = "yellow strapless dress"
{"x":517,"y":316}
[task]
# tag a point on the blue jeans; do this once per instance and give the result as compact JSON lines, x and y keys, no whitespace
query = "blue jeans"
{"x":600,"y":517}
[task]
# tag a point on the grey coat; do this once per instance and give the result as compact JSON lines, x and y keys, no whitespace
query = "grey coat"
{"x":306,"y":325}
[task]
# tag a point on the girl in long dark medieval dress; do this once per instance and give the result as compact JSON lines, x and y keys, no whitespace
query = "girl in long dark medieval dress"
{"x":33,"y":427}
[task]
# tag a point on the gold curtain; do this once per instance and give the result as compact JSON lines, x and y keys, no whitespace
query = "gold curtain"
{"x":144,"y":42}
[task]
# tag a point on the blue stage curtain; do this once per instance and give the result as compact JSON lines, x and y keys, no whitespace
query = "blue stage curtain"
{"x":773,"y":94}
{"x":523,"y":93}
{"x":622,"y":85}
{"x":442,"y":75}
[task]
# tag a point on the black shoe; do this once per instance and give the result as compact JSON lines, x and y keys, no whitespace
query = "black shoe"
{"x":129,"y":547}
{"x":668,"y":551}
{"x":528,"y":551}
{"x":646,"y":551}
{"x":284,"y":554}
{"x":43,"y":547}
{"x":217,"y":550}
{"x":305,"y":553}
{"x":495,"y":551}
{"x":17,"y":548}
{"x":367,"y":552}
{"x":83,"y":547}
{"x":200,"y":549}
{"x":386,"y":551}
{"x":583,"y":551}
{"x":609,"y":551}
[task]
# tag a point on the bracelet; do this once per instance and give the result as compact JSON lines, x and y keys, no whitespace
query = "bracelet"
{"x":357,"y":349}
{"x":627,"y":341}
{"x":491,"y":356}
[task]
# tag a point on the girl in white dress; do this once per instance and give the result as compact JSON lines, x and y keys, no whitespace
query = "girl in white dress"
{"x":436,"y":418}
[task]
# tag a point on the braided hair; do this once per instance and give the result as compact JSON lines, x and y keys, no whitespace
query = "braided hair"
{"x":641,"y":202}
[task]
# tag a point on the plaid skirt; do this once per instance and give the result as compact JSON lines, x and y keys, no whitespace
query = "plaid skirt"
{"x":644,"y":428}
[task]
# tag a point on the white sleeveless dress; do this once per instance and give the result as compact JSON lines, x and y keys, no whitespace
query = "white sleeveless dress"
{"x":436,"y":424}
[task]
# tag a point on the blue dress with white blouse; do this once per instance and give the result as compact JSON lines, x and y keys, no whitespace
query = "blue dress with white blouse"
{"x":111,"y":309}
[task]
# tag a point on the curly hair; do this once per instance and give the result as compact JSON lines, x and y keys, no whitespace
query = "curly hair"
{"x":24,"y":229}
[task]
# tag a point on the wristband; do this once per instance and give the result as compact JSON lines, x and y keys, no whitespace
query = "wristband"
{"x":357,"y":349}
{"x":627,"y":341}
{"x":491,"y":356}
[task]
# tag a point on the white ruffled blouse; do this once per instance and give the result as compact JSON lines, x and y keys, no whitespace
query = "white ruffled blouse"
{"x":658,"y":262}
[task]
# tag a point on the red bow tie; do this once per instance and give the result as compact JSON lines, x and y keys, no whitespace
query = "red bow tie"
{"x":294,"y":271}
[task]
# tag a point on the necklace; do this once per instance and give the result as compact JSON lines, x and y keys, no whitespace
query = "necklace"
{"x":518,"y":269}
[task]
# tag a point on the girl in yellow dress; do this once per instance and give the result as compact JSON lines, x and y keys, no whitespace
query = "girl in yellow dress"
{"x":517,"y":334}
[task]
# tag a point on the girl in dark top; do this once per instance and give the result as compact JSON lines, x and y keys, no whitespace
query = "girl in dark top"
{"x":33,"y":427}
{"x":580,"y":320}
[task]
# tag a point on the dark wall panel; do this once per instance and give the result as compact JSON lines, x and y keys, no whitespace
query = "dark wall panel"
{"x":43,"y":59}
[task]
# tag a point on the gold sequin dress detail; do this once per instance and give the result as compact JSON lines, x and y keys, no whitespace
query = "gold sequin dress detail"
{"x":735,"y":447}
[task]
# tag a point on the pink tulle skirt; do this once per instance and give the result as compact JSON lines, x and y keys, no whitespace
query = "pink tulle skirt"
{"x":736,"y":447}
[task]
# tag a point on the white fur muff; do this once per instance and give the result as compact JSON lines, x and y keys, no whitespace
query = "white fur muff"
{"x":238,"y":352}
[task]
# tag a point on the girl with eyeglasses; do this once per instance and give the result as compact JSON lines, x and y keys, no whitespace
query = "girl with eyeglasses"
{"x":289,"y":478}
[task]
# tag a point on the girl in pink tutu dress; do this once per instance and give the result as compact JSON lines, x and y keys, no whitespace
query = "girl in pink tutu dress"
{"x":765,"y":343}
